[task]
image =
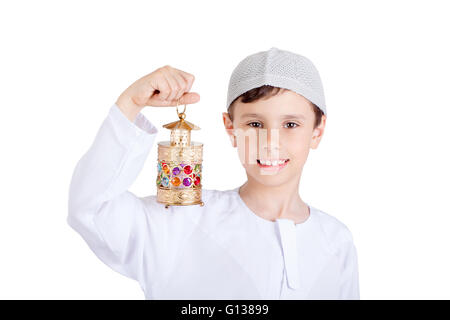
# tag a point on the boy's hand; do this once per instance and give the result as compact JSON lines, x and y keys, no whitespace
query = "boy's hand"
{"x":161,"y":88}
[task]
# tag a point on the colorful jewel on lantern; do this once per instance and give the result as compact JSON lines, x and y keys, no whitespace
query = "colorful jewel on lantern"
{"x":176,"y":181}
{"x":187,"y":169}
{"x":197,"y":180}
{"x":187,"y":182}
{"x":165,"y":182}
{"x":176,"y":170}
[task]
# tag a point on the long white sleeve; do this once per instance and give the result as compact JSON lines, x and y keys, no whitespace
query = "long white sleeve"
{"x":116,"y":224}
{"x":350,"y":274}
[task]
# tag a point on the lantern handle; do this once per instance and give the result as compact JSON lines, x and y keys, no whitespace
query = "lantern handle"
{"x":181,"y":115}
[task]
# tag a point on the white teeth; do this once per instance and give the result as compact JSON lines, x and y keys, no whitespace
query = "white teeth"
{"x":271,"y":163}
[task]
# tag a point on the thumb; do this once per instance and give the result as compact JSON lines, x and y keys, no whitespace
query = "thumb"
{"x":188,"y":98}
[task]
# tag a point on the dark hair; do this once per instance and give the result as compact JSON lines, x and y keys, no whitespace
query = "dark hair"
{"x":266,"y":91}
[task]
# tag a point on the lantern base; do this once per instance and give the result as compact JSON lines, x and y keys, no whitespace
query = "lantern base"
{"x":168,"y":205}
{"x":181,"y":197}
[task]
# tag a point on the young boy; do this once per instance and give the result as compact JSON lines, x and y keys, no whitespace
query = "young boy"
{"x":256,"y":241}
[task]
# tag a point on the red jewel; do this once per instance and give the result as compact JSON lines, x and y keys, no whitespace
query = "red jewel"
{"x":197,"y":181}
{"x":187,"y":169}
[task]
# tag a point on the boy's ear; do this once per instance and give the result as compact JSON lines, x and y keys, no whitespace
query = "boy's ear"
{"x":229,"y":128}
{"x":318,"y":133}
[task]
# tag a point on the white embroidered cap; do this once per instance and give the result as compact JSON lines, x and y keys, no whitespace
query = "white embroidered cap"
{"x":278,"y":68}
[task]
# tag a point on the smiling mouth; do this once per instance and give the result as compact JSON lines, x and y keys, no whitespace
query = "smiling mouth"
{"x":276,"y":164}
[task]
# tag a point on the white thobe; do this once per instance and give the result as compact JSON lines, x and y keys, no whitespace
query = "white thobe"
{"x":221,"y":250}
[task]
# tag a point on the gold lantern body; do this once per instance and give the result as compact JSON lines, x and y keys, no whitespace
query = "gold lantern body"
{"x":179,"y":179}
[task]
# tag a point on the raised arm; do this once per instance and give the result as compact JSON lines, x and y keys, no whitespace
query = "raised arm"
{"x":126,"y":232}
{"x":114,"y":222}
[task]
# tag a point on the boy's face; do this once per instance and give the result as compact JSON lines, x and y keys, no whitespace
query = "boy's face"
{"x":280,"y":127}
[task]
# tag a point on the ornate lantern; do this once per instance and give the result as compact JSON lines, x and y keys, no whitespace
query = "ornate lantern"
{"x":179,"y":180}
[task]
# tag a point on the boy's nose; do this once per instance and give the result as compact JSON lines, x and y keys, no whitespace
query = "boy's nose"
{"x":270,"y":143}
{"x":270,"y":138}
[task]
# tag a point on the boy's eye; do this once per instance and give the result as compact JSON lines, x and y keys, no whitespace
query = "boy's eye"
{"x":259,"y":125}
{"x":251,"y":124}
{"x":291,"y":125}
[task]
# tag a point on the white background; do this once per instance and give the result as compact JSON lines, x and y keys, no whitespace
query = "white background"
{"x":381,"y":168}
